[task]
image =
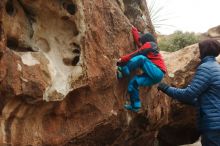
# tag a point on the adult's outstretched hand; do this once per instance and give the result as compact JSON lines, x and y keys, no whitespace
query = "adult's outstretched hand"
{"x":163,"y":87}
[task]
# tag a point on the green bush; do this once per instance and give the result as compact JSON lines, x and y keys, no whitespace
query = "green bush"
{"x":177,"y":40}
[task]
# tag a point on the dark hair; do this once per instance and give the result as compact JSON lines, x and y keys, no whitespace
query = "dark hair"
{"x":147,"y":37}
{"x":209,"y":47}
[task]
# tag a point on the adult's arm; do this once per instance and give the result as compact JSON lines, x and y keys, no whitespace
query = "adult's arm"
{"x":198,"y":85}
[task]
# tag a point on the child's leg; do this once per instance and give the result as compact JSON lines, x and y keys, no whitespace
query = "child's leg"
{"x":146,"y":65}
{"x":152,"y":75}
{"x":132,"y":64}
{"x":134,"y":84}
{"x":152,"y":70}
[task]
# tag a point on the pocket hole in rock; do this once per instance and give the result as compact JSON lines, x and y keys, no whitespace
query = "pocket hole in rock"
{"x":77,"y":51}
{"x":9,"y":7}
{"x":12,"y":43}
{"x":27,"y":49}
{"x":75,"y":45}
{"x":76,"y":48}
{"x":70,"y":7}
{"x":75,"y":60}
{"x":67,"y":61}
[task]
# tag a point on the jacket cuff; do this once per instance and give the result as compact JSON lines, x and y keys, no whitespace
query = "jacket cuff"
{"x":125,"y":58}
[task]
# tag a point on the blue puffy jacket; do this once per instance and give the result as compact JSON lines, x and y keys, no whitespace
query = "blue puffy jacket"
{"x":204,"y":92}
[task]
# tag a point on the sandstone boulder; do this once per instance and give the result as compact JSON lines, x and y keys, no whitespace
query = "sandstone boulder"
{"x":57,"y":76}
{"x":214,"y":32}
{"x":57,"y":70}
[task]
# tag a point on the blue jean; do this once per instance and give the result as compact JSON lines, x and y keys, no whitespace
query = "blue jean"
{"x":211,"y":138}
{"x":151,"y":75}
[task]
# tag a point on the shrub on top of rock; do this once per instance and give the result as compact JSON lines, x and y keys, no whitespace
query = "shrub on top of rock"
{"x":177,"y":40}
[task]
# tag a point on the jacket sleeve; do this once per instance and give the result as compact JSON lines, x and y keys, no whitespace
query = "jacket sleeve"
{"x":141,"y":51}
{"x":198,"y":85}
{"x":136,"y":36}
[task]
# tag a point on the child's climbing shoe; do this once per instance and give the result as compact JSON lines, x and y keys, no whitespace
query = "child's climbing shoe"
{"x":137,"y":105}
{"x":119,"y":73}
{"x":129,"y":107}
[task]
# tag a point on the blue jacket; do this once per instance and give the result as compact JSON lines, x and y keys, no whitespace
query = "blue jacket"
{"x":204,"y":93}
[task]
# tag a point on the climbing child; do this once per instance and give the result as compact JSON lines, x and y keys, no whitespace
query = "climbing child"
{"x":148,"y":59}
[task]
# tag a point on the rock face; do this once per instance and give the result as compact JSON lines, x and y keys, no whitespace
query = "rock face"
{"x":214,"y":32}
{"x":57,"y":77}
{"x":181,"y":128}
{"x":57,"y":70}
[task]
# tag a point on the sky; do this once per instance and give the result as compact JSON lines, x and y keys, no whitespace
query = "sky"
{"x":186,"y":15}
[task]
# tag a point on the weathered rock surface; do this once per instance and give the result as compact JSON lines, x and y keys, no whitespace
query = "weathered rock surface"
{"x":214,"y":32}
{"x":57,"y":68}
{"x":57,"y":77}
{"x":181,"y":128}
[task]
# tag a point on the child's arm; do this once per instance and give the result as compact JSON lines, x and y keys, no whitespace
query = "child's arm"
{"x":136,"y":36}
{"x":141,"y":51}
